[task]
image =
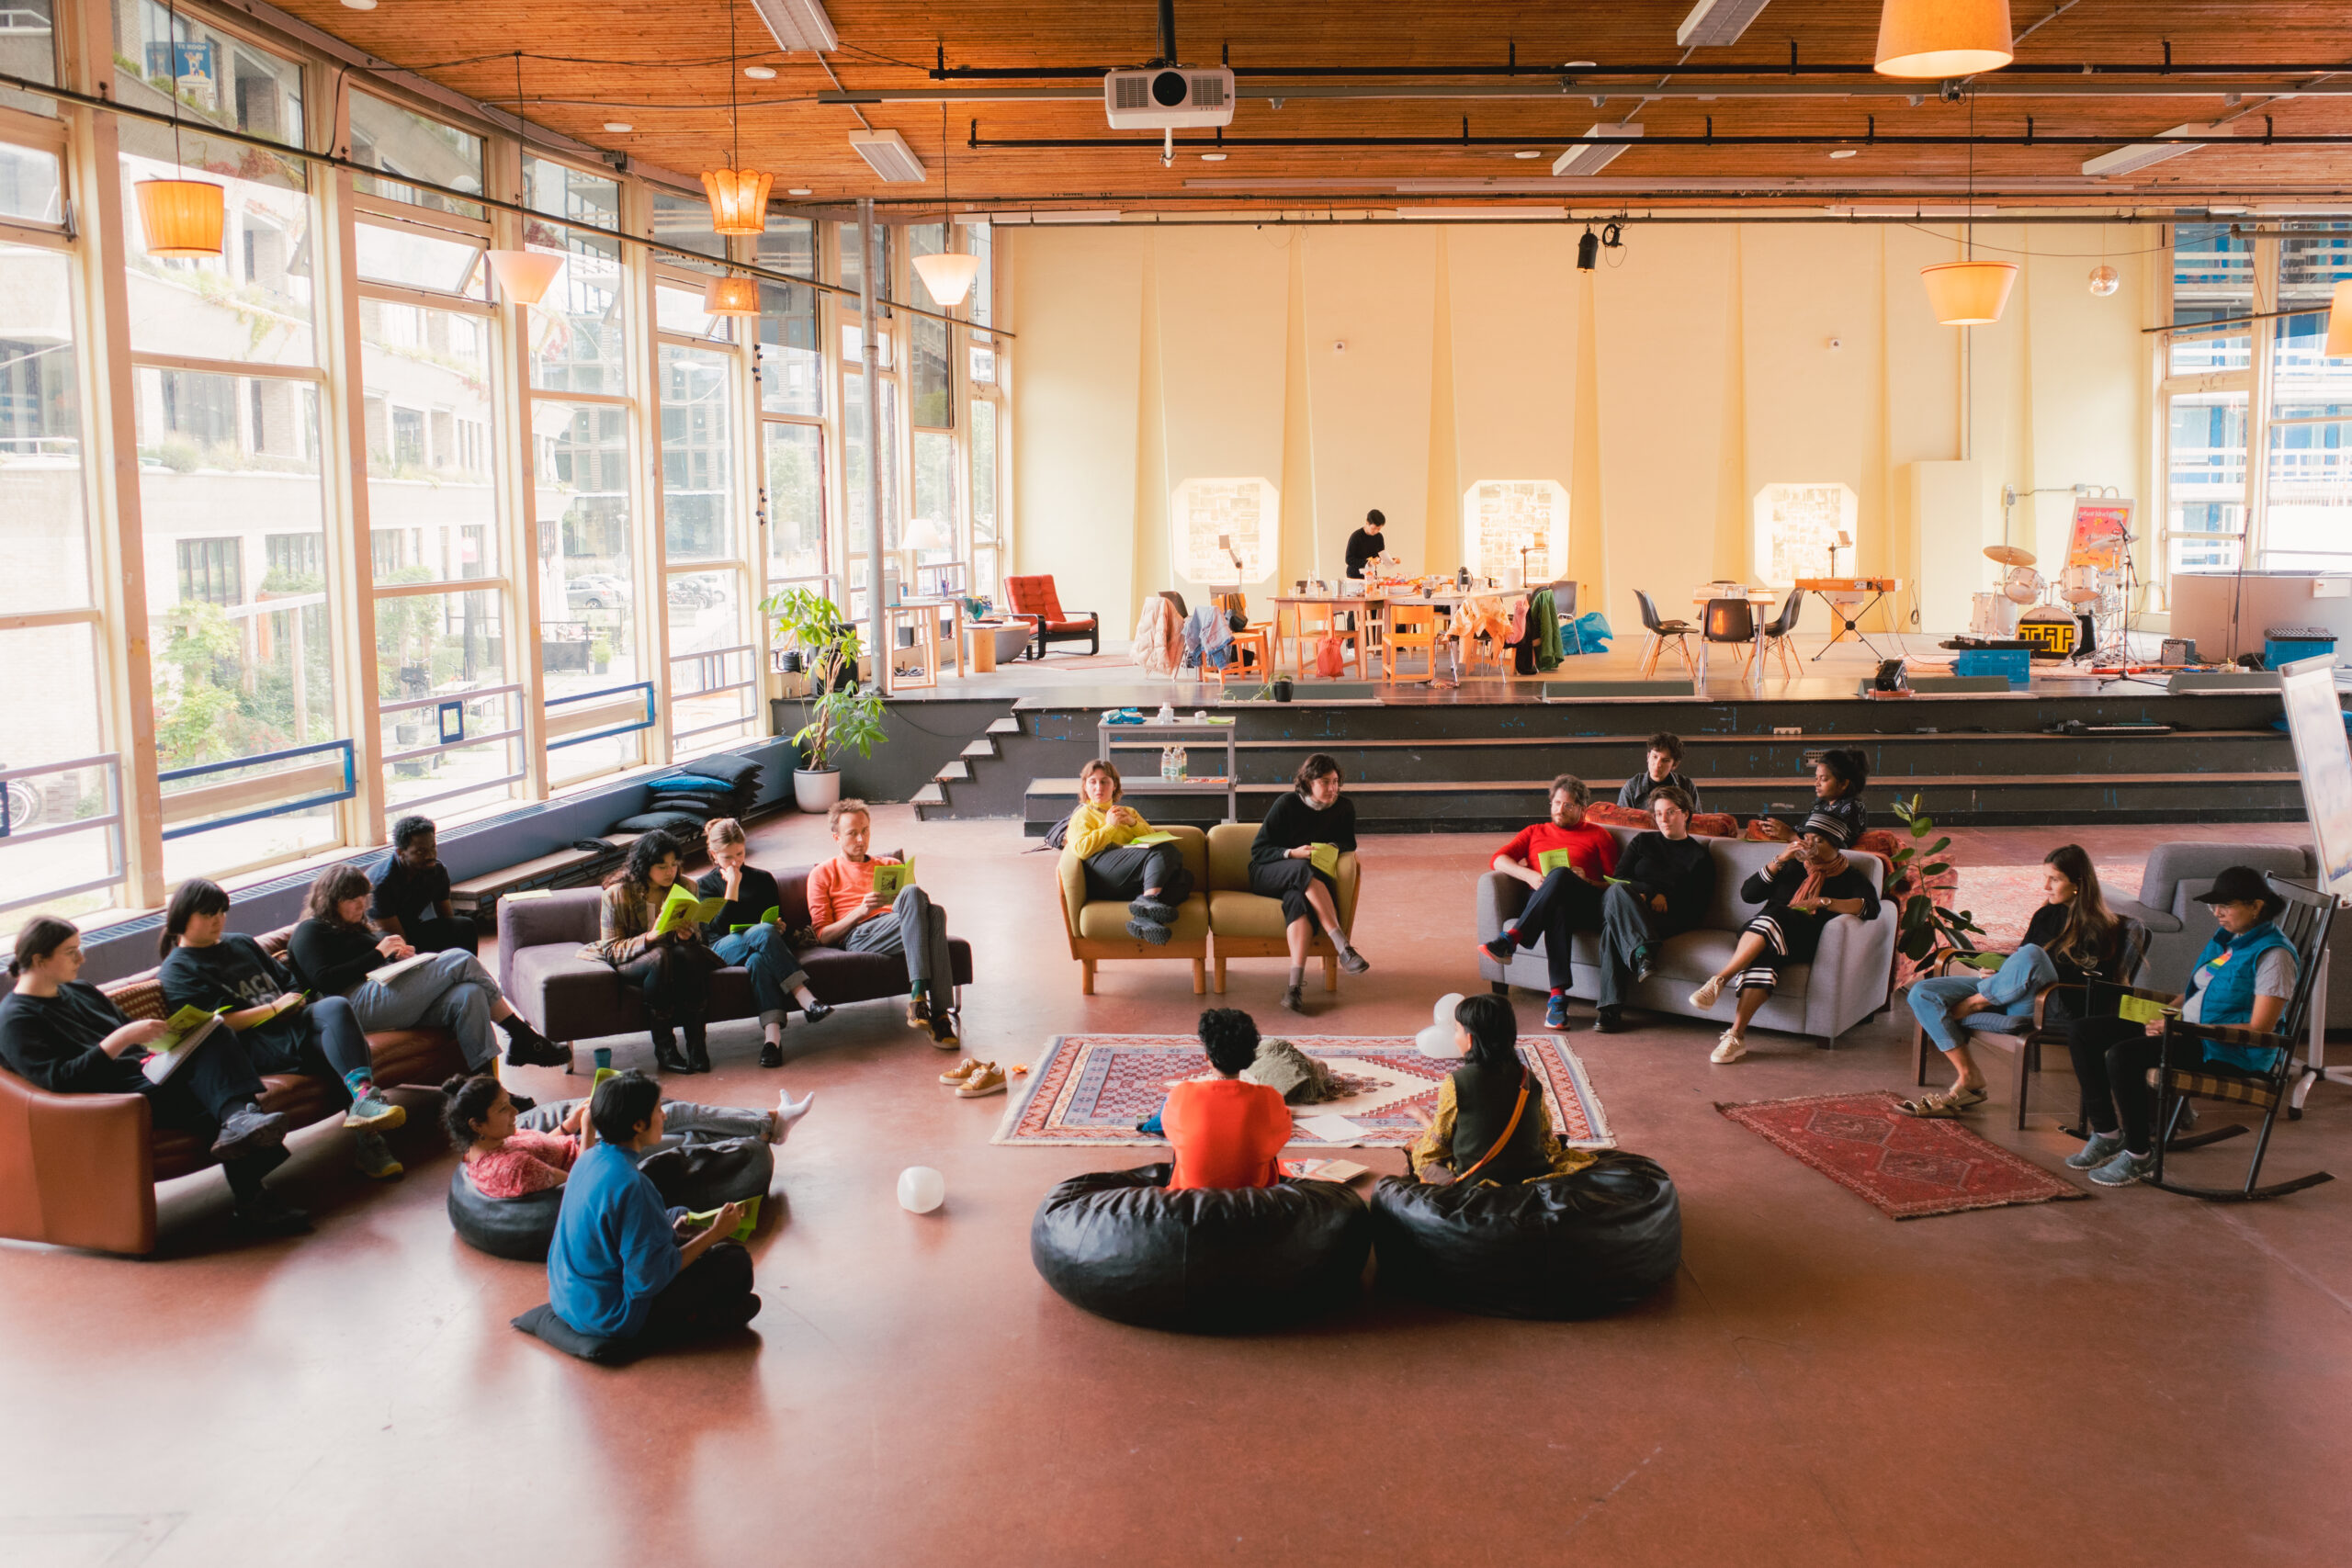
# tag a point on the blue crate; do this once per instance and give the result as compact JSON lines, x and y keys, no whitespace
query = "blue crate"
{"x":2277,"y":651}
{"x":2014,"y":665}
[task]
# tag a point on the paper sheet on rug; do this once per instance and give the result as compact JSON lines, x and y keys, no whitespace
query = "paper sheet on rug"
{"x":1331,"y":1129}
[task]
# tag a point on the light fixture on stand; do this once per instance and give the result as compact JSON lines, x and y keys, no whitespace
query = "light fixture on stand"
{"x":524,"y":275}
{"x":738,"y":197}
{"x":1968,"y":292}
{"x":1932,"y":40}
{"x":183,"y":218}
{"x":949,"y":274}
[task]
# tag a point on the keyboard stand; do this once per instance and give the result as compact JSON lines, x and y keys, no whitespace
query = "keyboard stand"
{"x":1848,"y":626}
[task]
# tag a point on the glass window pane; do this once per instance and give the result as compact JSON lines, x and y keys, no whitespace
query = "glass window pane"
{"x":697,"y":455}
{"x":684,"y":222}
{"x":979,"y":240}
{"x":678,"y":309}
{"x":931,"y":532}
{"x":581,"y":499}
{"x":861,"y":514}
{"x":220,"y":77}
{"x":2307,"y":525}
{"x":62,"y":664}
{"x":846,"y":272}
{"x":983,"y":478}
{"x":43,"y":537}
{"x":2212,"y":278}
{"x":983,"y":365}
{"x":929,"y":401}
{"x":442,"y":646}
{"x":712,"y":663}
{"x":792,"y":364}
{"x":796,"y":490}
{"x":388,"y":137}
{"x":421,"y":258}
{"x":431,"y":501}
{"x":30,"y":181}
{"x":578,"y":341}
{"x":29,"y":49}
{"x":2206,"y":485}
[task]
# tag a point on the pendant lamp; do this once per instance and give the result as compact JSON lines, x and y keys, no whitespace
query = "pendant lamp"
{"x":183,"y":218}
{"x":1969,"y":293}
{"x":524,"y":277}
{"x":948,"y":274}
{"x":1927,"y":39}
{"x":2339,"y":321}
{"x":738,"y":197}
{"x":731,"y":296}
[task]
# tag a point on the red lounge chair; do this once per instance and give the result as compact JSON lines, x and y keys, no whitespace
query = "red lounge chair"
{"x":1033,"y":599}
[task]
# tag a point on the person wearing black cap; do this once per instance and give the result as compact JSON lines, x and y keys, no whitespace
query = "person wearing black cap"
{"x":1806,"y":886}
{"x":2244,"y":976}
{"x":1364,"y":543}
{"x":1837,"y":815}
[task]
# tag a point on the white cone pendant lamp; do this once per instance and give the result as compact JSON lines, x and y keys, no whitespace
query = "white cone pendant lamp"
{"x":948,"y":276}
{"x":1929,"y":39}
{"x":1969,"y":293}
{"x":2339,"y":321}
{"x":523,"y":277}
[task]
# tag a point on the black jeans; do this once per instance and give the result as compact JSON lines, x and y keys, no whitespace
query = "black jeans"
{"x":710,"y":1295}
{"x":1123,"y":871}
{"x":675,"y":981}
{"x":431,"y":933}
{"x":1563,"y":906}
{"x":2112,"y":1058}
{"x":1627,"y":925}
{"x":1288,"y":880}
{"x":324,"y":1040}
{"x":217,"y":1082}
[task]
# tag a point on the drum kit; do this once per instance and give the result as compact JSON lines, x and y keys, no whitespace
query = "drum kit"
{"x":2087,"y":614}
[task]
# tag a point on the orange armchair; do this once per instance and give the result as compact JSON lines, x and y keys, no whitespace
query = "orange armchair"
{"x":1033,"y":599}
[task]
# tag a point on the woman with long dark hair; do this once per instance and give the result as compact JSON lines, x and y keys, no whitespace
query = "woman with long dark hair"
{"x":1492,"y":1126}
{"x":1838,"y":778}
{"x":672,"y":969}
{"x":65,"y":1036}
{"x":282,"y":1027}
{"x":1282,"y":865}
{"x":2072,"y":938}
{"x":333,"y":954}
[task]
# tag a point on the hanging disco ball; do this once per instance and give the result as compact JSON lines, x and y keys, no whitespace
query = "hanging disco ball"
{"x":2105,"y":280}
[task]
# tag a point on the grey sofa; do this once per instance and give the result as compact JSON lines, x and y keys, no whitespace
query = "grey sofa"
{"x":1846,"y":983}
{"x":570,"y":997}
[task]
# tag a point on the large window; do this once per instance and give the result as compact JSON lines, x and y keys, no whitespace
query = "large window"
{"x":1515,"y":530}
{"x":713,"y":667}
{"x":1211,"y":522}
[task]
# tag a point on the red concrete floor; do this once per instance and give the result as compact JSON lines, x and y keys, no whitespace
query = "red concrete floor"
{"x":2097,"y":1382}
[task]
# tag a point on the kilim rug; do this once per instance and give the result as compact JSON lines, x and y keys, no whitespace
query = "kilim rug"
{"x":1093,"y":1088}
{"x":1908,"y":1167}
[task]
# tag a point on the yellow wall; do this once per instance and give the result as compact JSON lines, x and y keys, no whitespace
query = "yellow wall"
{"x":1662,"y":392}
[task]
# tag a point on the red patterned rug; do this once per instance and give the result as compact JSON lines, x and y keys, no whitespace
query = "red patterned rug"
{"x":1908,"y":1167}
{"x":1093,"y":1088}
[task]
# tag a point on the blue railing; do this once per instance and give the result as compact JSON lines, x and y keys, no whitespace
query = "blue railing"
{"x":350,"y":785}
{"x":645,"y":723}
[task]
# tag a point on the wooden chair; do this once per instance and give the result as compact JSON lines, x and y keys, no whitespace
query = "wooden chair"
{"x":1778,"y":629}
{"x":1411,"y":627}
{"x":1661,"y":633}
{"x":2023,"y":1038}
{"x":1316,"y":622}
{"x":2183,"y":1073}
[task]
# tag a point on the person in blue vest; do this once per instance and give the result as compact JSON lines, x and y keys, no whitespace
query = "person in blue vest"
{"x":2244,"y":976}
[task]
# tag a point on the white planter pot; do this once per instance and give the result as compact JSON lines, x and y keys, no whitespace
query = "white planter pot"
{"x":815,"y":790}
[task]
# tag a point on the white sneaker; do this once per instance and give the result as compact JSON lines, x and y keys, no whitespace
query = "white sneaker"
{"x":1730,"y":1048}
{"x":1706,"y":995}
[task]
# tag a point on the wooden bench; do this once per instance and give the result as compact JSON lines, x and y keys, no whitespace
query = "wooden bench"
{"x":565,"y":868}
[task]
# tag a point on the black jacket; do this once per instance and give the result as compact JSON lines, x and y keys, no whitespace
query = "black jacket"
{"x":1291,"y":822}
{"x":331,"y":959}
{"x":53,"y":1041}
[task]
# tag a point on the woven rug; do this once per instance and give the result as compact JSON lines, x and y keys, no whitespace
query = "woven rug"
{"x":1093,"y":1088}
{"x":1908,"y":1167}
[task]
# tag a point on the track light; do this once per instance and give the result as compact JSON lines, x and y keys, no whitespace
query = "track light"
{"x":1587,"y":251}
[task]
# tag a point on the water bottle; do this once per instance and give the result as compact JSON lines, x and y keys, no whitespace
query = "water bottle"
{"x":1184,"y":763}
{"x":1168,"y":764}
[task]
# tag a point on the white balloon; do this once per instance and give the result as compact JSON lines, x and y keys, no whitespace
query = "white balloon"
{"x":1445,"y":1006}
{"x":1437,"y":1041}
{"x":920,"y":1189}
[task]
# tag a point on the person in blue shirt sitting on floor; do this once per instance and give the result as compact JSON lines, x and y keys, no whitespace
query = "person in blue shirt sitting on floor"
{"x":618,"y":1266}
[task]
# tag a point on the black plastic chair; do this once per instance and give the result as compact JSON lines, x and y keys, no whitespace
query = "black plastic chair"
{"x":1777,"y":630}
{"x":1661,"y":633}
{"x":1732,"y":621}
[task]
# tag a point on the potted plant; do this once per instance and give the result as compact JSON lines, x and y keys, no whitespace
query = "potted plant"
{"x":1925,"y":927}
{"x":839,"y":715}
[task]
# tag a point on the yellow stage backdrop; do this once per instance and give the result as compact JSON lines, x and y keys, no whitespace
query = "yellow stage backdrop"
{"x":1396,"y":367}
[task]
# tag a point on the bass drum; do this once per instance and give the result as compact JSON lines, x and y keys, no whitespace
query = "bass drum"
{"x":2052,"y":631}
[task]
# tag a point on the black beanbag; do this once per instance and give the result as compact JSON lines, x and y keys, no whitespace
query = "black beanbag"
{"x":1567,"y":1247}
{"x":698,"y":1177}
{"x":674,"y":823}
{"x":1121,"y":1245}
{"x":542,"y":1323}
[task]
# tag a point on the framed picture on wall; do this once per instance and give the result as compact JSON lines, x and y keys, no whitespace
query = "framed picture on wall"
{"x":1510,"y":525}
{"x":1797,"y":525}
{"x":1212,"y":521}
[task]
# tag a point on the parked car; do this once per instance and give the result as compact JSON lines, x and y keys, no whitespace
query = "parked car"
{"x":597,"y":590}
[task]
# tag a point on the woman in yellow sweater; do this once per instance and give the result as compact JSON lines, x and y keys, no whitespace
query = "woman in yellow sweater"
{"x":1150,"y":877}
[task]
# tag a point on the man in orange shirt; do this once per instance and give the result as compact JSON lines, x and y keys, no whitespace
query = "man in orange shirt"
{"x":848,"y":913}
{"x":1225,"y":1132}
{"x":1566,"y":898}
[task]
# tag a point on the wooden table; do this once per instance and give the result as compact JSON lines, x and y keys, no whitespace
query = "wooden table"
{"x":1292,"y":602}
{"x":1374,"y":607}
{"x":930,"y":635}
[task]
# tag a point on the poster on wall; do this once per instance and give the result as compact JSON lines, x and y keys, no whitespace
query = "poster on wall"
{"x":1214,"y":520}
{"x":1796,"y":525}
{"x":1516,"y":531}
{"x":2102,"y":533}
{"x":2323,"y":759}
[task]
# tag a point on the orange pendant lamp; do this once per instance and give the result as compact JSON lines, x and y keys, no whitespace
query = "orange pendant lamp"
{"x":2339,"y":321}
{"x":182,"y":218}
{"x":1927,"y":39}
{"x":1969,"y":293}
{"x":738,"y":197}
{"x":731,"y":296}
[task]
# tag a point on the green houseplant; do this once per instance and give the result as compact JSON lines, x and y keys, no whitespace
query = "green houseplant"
{"x":1924,"y":926}
{"x":840,"y":717}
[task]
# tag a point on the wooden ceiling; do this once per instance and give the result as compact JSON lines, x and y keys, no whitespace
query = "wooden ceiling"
{"x":663,"y":67}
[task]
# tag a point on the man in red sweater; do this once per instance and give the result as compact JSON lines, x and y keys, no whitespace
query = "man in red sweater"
{"x":1567,"y":891}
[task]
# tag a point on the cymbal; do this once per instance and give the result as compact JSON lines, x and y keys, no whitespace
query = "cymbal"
{"x":2008,"y":555}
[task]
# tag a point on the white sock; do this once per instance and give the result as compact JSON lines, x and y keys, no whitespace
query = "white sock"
{"x":786,"y":1112}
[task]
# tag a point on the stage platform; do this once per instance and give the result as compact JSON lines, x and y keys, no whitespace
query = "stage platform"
{"x":1434,"y":757}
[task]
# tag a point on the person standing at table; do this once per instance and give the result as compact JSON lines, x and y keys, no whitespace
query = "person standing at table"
{"x":1364,"y":545}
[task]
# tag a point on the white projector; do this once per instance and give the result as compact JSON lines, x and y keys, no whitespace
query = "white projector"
{"x":1168,"y":97}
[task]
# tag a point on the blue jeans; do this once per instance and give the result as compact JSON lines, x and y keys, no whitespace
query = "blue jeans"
{"x":774,"y":967}
{"x":2010,"y":990}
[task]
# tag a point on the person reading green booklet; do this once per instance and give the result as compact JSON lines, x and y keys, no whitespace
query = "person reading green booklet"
{"x":894,"y":877}
{"x":190,"y":1027}
{"x":1324,"y":858}
{"x":682,"y":910}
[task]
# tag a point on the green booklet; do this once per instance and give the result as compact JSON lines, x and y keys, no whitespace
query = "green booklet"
{"x":1144,"y":840}
{"x":682,"y":908}
{"x":190,"y":1027}
{"x":770,"y":918}
{"x":742,"y":1232}
{"x":894,"y":877}
{"x":1324,"y":858}
{"x":1555,"y":860}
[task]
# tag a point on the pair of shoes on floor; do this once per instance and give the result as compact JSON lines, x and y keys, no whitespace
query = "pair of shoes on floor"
{"x":770,"y":1054}
{"x":1608,"y":1020}
{"x":2124,"y":1169}
{"x":1295,"y":998}
{"x":1944,"y":1107}
{"x":974,"y":1079}
{"x":1729,"y":1047}
{"x":2101,"y":1148}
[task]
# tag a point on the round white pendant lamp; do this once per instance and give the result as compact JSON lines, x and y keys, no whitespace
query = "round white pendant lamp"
{"x":731,"y":296}
{"x":948,"y":276}
{"x":2339,"y":321}
{"x":1929,"y":39}
{"x":1969,"y":293}
{"x":2105,"y":280}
